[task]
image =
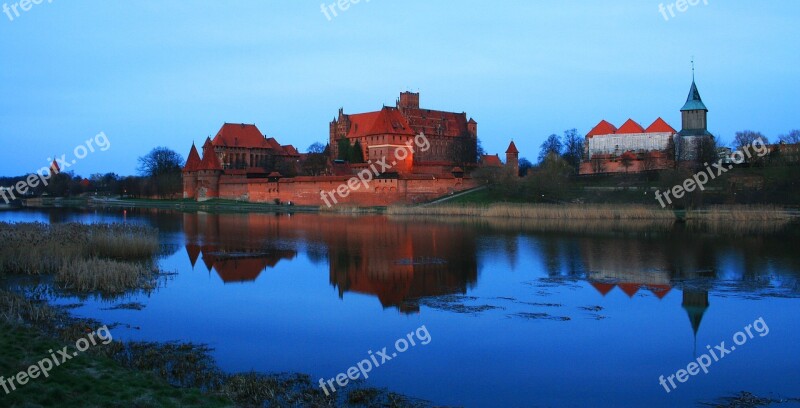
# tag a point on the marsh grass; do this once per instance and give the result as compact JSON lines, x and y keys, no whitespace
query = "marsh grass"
{"x":740,"y":213}
{"x":106,"y":276}
{"x":541,"y":211}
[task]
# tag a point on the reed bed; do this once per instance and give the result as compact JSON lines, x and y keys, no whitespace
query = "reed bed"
{"x":106,"y":276}
{"x":542,"y":211}
{"x":741,"y":213}
{"x":38,"y":249}
{"x":15,"y":308}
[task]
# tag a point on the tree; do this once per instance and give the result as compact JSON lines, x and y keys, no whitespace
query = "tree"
{"x":316,"y":161}
{"x":746,"y":138}
{"x":707,"y":151}
{"x":160,"y":161}
{"x":163,"y":167}
{"x":573,"y":148}
{"x":524,"y":166}
{"x":316,"y":147}
{"x":598,"y":164}
{"x":344,"y":148}
{"x":792,"y":138}
{"x":626,"y":160}
{"x":550,"y":146}
{"x":357,"y":153}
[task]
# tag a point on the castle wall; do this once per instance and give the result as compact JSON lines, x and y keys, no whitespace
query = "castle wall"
{"x":307,"y":190}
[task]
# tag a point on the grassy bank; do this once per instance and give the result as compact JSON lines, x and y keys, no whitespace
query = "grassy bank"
{"x":89,"y":380}
{"x":540,"y":211}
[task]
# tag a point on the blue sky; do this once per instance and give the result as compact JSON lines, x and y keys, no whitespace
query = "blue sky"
{"x":152,"y":73}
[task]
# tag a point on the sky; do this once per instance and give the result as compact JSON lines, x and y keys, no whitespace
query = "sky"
{"x":169,"y":73}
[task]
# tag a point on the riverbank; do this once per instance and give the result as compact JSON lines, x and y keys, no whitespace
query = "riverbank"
{"x":473,"y":204}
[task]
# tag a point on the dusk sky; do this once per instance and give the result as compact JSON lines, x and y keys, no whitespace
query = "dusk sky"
{"x":167,"y":73}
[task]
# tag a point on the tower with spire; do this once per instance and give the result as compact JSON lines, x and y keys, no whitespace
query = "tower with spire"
{"x":694,"y":124}
{"x":512,"y":158}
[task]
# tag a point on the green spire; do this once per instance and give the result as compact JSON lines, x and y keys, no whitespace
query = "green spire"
{"x":694,"y":102}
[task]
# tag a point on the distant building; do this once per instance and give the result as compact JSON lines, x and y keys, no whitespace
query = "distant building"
{"x":453,"y":136}
{"x":632,"y":148}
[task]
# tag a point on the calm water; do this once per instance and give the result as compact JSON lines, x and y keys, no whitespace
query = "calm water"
{"x":519,"y":315}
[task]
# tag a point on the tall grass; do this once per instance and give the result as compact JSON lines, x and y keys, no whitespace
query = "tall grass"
{"x":37,"y":249}
{"x":106,"y":276}
{"x":740,"y":213}
{"x":542,"y":211}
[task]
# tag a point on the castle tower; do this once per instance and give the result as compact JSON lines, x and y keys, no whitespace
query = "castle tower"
{"x":189,"y":174}
{"x":512,"y":158}
{"x":408,"y":100}
{"x":208,"y":173}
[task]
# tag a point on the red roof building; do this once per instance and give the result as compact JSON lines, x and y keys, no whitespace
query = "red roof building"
{"x":451,"y":137}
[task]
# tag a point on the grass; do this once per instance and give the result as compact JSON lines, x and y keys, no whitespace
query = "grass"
{"x":541,"y":211}
{"x":89,"y":380}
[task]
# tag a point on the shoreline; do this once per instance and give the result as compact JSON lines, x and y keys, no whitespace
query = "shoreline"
{"x":496,"y":210}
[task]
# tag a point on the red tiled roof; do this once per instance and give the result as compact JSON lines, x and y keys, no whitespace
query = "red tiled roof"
{"x":660,"y":290}
{"x":512,"y":148}
{"x":603,"y":288}
{"x":193,"y":162}
{"x":660,"y":126}
{"x":210,"y":160}
{"x":630,"y":289}
{"x":290,"y":150}
{"x":629,"y":127}
{"x":602,"y":128}
{"x":492,"y":161}
{"x":240,"y":135}
{"x":433,"y":122}
{"x":385,"y":121}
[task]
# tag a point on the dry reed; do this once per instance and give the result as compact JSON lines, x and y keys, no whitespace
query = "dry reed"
{"x":542,"y":211}
{"x":106,"y":276}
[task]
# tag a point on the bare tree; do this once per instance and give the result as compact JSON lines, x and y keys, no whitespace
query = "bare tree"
{"x":792,"y":138}
{"x":572,"y":142}
{"x":550,"y":146}
{"x":747,"y":137}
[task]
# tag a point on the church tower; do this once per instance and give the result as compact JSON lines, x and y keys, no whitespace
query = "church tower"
{"x":694,"y":114}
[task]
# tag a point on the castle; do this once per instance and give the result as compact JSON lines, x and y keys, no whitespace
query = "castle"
{"x":240,"y":163}
{"x":632,"y":148}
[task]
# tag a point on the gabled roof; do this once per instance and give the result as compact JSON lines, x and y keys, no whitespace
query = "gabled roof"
{"x":210,"y":160}
{"x":630,"y":127}
{"x":602,"y":128}
{"x":512,"y":148}
{"x":660,"y":126}
{"x":240,"y":135}
{"x":693,"y":101}
{"x":193,"y":162}
{"x":385,"y":121}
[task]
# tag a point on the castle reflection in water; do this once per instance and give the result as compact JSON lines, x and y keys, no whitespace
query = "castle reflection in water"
{"x":400,"y":262}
